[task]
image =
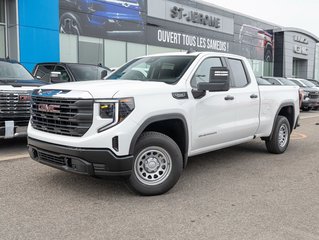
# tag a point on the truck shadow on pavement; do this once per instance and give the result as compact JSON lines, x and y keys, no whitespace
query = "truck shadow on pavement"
{"x":200,"y":166}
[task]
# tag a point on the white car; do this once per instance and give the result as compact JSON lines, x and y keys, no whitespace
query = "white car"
{"x":146,"y":124}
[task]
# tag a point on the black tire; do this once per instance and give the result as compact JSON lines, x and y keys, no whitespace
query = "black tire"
{"x":69,"y":24}
{"x":306,"y":109}
{"x":280,"y":138}
{"x":157,"y":165}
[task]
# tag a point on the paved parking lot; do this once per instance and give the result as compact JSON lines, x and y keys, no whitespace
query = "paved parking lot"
{"x":236,"y":193}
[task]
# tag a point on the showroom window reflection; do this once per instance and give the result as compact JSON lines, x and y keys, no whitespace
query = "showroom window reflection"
{"x":113,"y":54}
{"x":80,"y":49}
{"x":317,"y":63}
{"x":2,"y":30}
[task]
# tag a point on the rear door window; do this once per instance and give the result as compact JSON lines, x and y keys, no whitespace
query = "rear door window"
{"x":238,"y":72}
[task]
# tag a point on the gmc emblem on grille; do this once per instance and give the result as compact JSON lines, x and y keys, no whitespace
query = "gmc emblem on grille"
{"x":49,"y":108}
{"x":24,"y":98}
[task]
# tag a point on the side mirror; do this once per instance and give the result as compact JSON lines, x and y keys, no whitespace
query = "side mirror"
{"x":218,"y":80}
{"x":55,"y":77}
{"x":103,"y":74}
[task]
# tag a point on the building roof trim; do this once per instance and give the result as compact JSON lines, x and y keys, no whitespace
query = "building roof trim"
{"x":297,"y":30}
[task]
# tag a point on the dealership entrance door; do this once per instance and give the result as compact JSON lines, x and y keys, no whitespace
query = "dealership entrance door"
{"x":299,"y":68}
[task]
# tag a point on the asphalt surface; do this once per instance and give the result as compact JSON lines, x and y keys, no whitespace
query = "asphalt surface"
{"x":241,"y":192}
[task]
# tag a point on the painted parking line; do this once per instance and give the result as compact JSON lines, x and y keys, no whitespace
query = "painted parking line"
{"x":312,"y":116}
{"x":297,"y":136}
{"x":8,"y":158}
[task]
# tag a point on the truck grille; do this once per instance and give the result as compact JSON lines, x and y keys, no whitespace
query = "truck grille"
{"x":52,"y":158}
{"x":314,"y":95}
{"x":15,"y":106}
{"x":69,"y":117}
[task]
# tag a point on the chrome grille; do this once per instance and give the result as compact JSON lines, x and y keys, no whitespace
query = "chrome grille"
{"x":313,"y":95}
{"x":15,"y":106}
{"x":69,"y":117}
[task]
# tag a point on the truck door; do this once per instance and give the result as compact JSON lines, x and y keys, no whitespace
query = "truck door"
{"x":213,"y":115}
{"x":246,"y":99}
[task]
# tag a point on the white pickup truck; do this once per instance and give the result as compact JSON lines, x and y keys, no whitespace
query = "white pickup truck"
{"x":16,"y":86}
{"x":153,"y":113}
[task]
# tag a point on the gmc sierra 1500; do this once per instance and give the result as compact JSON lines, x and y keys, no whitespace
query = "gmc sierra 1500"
{"x":155,"y":112}
{"x":16,"y":85}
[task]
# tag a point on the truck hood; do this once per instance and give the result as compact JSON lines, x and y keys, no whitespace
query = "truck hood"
{"x":310,"y":89}
{"x":21,"y":83}
{"x":110,"y":88}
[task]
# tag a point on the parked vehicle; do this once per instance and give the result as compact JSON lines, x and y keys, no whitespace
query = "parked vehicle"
{"x":78,"y":16}
{"x":155,"y":112}
{"x":54,"y":72}
{"x":311,"y":94}
{"x":16,"y":85}
{"x":262,"y":81}
{"x":286,"y":82}
{"x":316,"y":82}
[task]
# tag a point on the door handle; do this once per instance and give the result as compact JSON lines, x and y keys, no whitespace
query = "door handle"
{"x":229,"y":98}
{"x":254,"y":96}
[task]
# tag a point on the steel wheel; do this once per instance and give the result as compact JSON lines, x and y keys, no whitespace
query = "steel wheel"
{"x":153,"y":165}
{"x":279,"y":140}
{"x":283,"y":135}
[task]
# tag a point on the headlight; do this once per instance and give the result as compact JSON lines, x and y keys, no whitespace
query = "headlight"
{"x":126,"y":106}
{"x":306,"y":94}
{"x":114,"y":111}
{"x":107,"y":110}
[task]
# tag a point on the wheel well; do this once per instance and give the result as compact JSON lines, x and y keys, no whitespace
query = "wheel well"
{"x":175,"y":129}
{"x":289,"y":113}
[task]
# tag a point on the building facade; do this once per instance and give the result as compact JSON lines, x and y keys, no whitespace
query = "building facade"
{"x":112,"y":32}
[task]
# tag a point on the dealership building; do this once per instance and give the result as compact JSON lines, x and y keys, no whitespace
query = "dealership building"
{"x":111,"y":32}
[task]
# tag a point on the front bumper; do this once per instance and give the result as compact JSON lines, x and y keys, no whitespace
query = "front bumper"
{"x":87,"y":161}
{"x":310,"y":103}
{"x":10,"y":129}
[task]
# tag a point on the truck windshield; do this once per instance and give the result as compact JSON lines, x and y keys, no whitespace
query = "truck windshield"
{"x":167,"y":69}
{"x":87,"y":72}
{"x":13,"y":71}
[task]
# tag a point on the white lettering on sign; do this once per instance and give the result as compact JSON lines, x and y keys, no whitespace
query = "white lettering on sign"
{"x":187,"y":40}
{"x":300,"y":39}
{"x":301,"y":50}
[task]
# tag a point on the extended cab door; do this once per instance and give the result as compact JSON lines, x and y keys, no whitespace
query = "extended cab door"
{"x":213,"y":121}
{"x":220,"y":118}
{"x":245,"y":91}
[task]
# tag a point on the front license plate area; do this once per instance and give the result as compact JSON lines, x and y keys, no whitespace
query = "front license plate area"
{"x":9,"y":129}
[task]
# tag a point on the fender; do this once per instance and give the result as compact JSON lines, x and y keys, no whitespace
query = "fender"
{"x":158,"y":118}
{"x":287,"y":104}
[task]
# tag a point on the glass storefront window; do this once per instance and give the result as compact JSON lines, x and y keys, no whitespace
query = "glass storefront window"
{"x":135,"y":50}
{"x":115,"y":53}
{"x":2,"y":18}
{"x":2,"y":42}
{"x":155,"y":49}
{"x":2,"y":30}
{"x":257,"y":66}
{"x":68,"y":48}
{"x":317,"y":63}
{"x":90,"y":50}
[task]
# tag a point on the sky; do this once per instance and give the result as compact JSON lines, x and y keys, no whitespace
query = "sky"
{"x":302,"y":14}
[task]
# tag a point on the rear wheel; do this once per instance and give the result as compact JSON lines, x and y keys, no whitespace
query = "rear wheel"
{"x":157,"y":166}
{"x":279,"y":140}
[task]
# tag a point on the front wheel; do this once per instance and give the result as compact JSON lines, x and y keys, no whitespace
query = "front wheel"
{"x":279,"y":140}
{"x":157,"y":166}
